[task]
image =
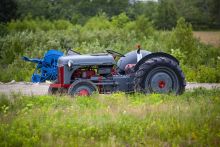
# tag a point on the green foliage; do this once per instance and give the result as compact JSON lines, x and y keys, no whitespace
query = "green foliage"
{"x":8,"y":10}
{"x":14,"y":70}
{"x":166,"y":15}
{"x":178,"y":54}
{"x":29,"y":24}
{"x":120,"y":21}
{"x":202,"y":74}
{"x":4,"y":103}
{"x":3,"y":30}
{"x":182,"y":39}
{"x":207,"y":74}
{"x":113,"y":120}
{"x":144,"y":27}
{"x":33,"y":37}
{"x":97,"y":23}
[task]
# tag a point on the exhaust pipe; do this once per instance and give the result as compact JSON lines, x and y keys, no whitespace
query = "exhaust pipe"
{"x":139,"y":55}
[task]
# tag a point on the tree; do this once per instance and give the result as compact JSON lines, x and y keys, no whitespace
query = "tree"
{"x":149,"y":9}
{"x":215,"y":13}
{"x":167,"y":15}
{"x":8,"y":10}
{"x":182,"y":39}
{"x":202,"y":14}
{"x":67,"y":9}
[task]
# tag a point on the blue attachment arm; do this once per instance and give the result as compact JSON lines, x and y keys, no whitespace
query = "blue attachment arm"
{"x":34,"y":60}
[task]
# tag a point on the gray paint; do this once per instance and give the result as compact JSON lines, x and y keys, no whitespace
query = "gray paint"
{"x":124,"y":83}
{"x":100,"y":59}
{"x":115,"y":83}
{"x":83,"y":60}
{"x":68,"y":73}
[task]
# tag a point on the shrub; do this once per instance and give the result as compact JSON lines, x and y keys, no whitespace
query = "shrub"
{"x":29,"y":24}
{"x":62,"y":24}
{"x":179,"y":55}
{"x":33,"y":37}
{"x":120,"y":21}
{"x":3,"y":30}
{"x":143,"y":27}
{"x":182,"y":39}
{"x":206,"y":74}
{"x":4,"y":102}
{"x":97,"y":23}
{"x":18,"y":71}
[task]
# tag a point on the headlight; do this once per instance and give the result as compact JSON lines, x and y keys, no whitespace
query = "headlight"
{"x":69,"y":64}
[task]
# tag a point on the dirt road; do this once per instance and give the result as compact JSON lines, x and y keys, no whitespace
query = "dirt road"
{"x":41,"y":89}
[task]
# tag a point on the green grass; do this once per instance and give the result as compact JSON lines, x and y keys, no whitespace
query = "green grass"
{"x":192,"y":119}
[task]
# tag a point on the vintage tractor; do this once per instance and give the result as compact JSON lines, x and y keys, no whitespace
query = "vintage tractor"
{"x":136,"y":71}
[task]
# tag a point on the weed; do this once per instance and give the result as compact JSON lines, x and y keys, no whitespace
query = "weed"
{"x":191,"y":119}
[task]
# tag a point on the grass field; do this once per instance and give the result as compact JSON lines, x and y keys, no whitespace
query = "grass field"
{"x":208,"y":37}
{"x":192,"y":119}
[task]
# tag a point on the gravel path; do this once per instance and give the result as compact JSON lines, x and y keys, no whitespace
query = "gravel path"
{"x":41,"y":89}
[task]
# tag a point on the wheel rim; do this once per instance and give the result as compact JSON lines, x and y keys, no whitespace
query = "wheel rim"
{"x":83,"y":92}
{"x":161,"y":80}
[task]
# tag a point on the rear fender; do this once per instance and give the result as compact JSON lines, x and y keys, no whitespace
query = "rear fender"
{"x":154,"y":55}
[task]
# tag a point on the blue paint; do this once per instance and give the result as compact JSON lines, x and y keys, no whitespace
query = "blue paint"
{"x":46,"y":68}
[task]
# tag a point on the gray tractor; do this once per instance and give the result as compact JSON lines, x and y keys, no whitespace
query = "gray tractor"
{"x":137,"y":71}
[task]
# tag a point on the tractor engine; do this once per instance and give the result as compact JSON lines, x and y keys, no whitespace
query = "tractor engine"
{"x":101,"y":75}
{"x":83,"y":73}
{"x":89,"y":72}
{"x":104,"y":70}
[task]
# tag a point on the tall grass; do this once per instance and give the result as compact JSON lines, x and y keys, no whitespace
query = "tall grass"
{"x":192,"y":119}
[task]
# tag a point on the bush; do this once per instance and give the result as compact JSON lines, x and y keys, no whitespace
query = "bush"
{"x":182,"y":39}
{"x":29,"y":24}
{"x":3,"y":30}
{"x":33,"y":37}
{"x":62,"y":24}
{"x":143,"y":27}
{"x":18,"y":71}
{"x":120,"y":21}
{"x":97,"y":23}
{"x":207,"y":74}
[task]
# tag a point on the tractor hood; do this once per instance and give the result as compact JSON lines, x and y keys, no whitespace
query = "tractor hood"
{"x":96,"y":59}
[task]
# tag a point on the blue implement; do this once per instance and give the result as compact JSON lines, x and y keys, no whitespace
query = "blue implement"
{"x":46,"y":68}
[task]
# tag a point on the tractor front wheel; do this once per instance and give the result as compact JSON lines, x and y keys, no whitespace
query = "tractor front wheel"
{"x":52,"y":90}
{"x":81,"y":88}
{"x":159,"y":75}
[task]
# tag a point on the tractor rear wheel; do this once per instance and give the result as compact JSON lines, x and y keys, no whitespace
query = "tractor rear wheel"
{"x":81,"y":88}
{"x":159,"y":75}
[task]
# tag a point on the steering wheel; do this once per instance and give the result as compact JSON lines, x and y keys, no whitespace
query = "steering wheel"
{"x":115,"y":53}
{"x":72,"y":52}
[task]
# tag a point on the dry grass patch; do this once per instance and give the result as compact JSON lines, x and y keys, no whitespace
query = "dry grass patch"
{"x":208,"y":37}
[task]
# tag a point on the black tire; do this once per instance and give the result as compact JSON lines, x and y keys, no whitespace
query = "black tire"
{"x":79,"y":85}
{"x":159,"y":75}
{"x":52,"y":90}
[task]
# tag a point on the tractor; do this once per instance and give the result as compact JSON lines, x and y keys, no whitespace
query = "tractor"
{"x":137,"y":71}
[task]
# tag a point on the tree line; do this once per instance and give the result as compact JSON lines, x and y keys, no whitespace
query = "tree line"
{"x":202,"y":14}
